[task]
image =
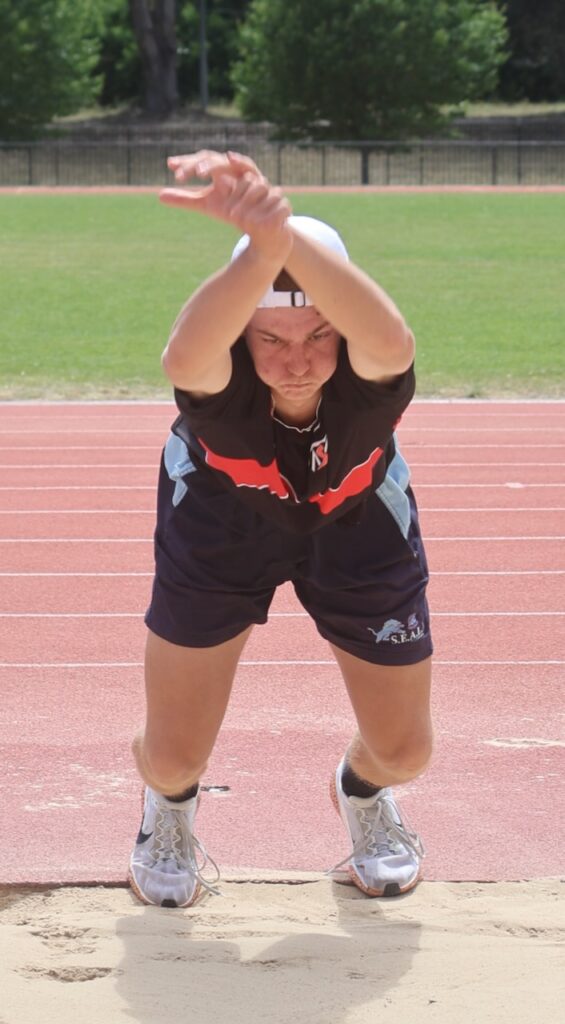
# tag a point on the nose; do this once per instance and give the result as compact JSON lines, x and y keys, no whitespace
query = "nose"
{"x":297,"y":361}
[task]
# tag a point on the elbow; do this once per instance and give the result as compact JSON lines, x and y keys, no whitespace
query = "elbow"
{"x":408,"y":347}
{"x":166,"y":363}
{"x":403,"y":349}
{"x":173,"y":367}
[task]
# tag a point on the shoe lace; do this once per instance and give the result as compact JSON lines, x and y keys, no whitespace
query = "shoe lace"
{"x":174,"y":840}
{"x":382,"y":835}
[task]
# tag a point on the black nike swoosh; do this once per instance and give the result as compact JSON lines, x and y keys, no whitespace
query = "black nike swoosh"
{"x":143,"y":837}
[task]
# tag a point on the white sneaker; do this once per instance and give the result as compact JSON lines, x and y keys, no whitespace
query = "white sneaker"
{"x":164,"y":868}
{"x":386,"y":859}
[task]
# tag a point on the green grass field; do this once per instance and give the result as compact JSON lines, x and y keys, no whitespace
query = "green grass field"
{"x":90,"y":286}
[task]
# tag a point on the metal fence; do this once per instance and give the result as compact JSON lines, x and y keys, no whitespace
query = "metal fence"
{"x":66,"y":163}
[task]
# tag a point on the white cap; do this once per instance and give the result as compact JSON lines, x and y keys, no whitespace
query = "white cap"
{"x":312,"y":228}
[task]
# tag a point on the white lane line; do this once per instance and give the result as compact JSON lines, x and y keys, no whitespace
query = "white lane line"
{"x":436,"y":662}
{"x":152,"y":511}
{"x":93,"y":466}
{"x":434,"y":615}
{"x":129,"y":447}
{"x":79,"y":574}
{"x":449,"y":447}
{"x":75,"y":540}
{"x":147,"y":487}
{"x":80,"y":487}
{"x":139,"y":664}
{"x":507,"y":485}
{"x":519,"y":464}
{"x":429,"y":537}
{"x":496,"y":572}
{"x":418,"y":428}
{"x":486,"y":508}
{"x":158,"y":445}
{"x":75,"y":614}
{"x":146,"y":540}
{"x":272,"y":615}
{"x":437,"y":572}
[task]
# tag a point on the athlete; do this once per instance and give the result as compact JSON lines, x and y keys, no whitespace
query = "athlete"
{"x":291,"y":369}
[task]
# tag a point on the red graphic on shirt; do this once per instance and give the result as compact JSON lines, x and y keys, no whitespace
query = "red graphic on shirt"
{"x":356,"y":481}
{"x":250,"y":473}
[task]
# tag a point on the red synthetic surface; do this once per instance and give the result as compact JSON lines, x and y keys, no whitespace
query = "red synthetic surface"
{"x":76,"y":517}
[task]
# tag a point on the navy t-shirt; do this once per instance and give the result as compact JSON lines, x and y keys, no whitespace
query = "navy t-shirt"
{"x":299,"y":477}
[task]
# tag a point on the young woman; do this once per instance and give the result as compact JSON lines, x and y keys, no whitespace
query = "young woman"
{"x":291,"y":369}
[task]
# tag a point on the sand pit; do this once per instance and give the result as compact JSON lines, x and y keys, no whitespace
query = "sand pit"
{"x":307,"y":950}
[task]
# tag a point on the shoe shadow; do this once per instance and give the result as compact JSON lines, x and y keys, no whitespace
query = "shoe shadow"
{"x":310,"y":951}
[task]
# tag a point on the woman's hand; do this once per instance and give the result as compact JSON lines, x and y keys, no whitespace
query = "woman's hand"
{"x":237,"y":194}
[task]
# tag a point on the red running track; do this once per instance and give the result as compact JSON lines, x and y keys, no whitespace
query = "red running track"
{"x":76,"y":517}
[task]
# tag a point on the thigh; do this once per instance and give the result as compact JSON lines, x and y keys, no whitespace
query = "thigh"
{"x":365,"y":587}
{"x":391,"y":703}
{"x":216,"y":562}
{"x":187,"y":693}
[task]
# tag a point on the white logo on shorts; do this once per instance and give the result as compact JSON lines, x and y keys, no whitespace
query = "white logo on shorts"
{"x":395,"y":632}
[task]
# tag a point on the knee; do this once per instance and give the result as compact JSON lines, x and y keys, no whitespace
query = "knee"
{"x":166,"y":767}
{"x":407,"y":759}
{"x":410,"y":759}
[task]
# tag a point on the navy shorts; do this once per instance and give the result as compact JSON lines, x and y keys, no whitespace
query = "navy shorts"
{"x":218,"y":564}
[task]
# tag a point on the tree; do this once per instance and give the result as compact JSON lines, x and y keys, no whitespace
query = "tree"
{"x":223,"y":20}
{"x":154,"y":25}
{"x":48,"y":50}
{"x":535,"y":69}
{"x":365,"y":69}
{"x":120,"y":63}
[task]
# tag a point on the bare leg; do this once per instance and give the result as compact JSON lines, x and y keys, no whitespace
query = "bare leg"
{"x":393,"y":744}
{"x":187,"y":692}
{"x":392,"y":706}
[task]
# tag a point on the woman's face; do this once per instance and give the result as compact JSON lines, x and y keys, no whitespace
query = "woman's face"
{"x":294,"y":352}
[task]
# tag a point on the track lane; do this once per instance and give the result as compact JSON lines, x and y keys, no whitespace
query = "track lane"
{"x":114,"y":592}
{"x":498,"y":740}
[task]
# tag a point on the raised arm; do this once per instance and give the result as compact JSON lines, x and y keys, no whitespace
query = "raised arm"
{"x":197,"y":357}
{"x":379,"y":342}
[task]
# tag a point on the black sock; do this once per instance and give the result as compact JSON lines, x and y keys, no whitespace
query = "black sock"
{"x":352,"y":785}
{"x":187,"y":795}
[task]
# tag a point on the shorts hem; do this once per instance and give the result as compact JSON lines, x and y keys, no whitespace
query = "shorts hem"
{"x":210,"y":639}
{"x":386,"y":658}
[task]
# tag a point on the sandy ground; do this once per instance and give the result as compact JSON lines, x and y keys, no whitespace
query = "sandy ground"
{"x":304,"y":950}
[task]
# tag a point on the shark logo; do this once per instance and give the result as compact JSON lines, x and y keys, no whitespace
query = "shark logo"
{"x":395,"y":632}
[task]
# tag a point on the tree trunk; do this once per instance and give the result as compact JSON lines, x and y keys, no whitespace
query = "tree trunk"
{"x":154,"y":27}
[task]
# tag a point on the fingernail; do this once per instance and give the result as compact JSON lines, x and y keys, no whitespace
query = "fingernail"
{"x":202,"y":168}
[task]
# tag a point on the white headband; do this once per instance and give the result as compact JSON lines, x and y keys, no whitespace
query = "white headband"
{"x":312,"y":228}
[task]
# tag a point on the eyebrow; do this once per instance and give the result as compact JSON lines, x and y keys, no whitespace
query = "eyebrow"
{"x":268,"y":334}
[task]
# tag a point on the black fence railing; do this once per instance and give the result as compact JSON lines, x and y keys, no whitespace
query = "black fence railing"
{"x":65,"y":163}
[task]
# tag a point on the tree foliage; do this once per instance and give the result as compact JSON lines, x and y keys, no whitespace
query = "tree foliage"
{"x":222,"y":23}
{"x":48,"y":51}
{"x":120,"y":59}
{"x":362,"y":69}
{"x":119,"y":63}
{"x":535,"y":69}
